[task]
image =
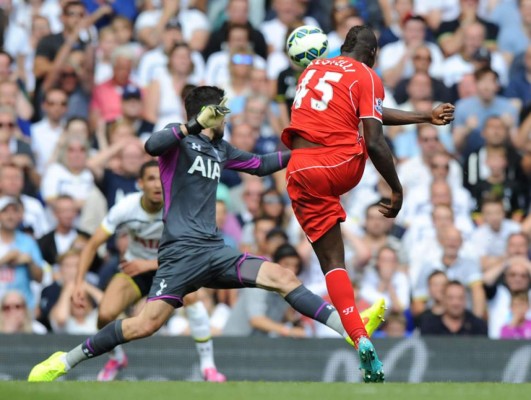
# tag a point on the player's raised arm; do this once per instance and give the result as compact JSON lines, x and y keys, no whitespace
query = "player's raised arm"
{"x":256,"y":164}
{"x":443,"y":114}
{"x":161,"y":141}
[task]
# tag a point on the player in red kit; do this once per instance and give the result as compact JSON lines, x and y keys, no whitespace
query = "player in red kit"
{"x":328,"y":159}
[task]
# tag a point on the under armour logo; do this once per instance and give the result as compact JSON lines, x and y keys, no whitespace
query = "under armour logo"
{"x":196,"y":146}
{"x":348,"y":310}
{"x":162,"y":287}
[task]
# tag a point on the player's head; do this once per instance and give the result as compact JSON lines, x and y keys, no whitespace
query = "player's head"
{"x":360,"y":44}
{"x":200,"y":97}
{"x":149,"y":182}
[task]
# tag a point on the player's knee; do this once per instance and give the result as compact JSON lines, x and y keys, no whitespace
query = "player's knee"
{"x":148,"y":326}
{"x":285,"y":279}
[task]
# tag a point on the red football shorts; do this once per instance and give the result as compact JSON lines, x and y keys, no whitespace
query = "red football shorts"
{"x":316,"y":177}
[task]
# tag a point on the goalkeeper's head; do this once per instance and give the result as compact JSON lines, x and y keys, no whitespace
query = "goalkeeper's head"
{"x":200,"y":97}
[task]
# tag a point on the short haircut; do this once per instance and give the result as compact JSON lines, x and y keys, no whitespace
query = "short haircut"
{"x":480,"y":73}
{"x":454,"y":283}
{"x":70,"y":252}
{"x":277,"y":232}
{"x":520,"y":295}
{"x":201,"y":96}
{"x":287,"y":250}
{"x":361,"y":38}
{"x":72,"y":3}
{"x":145,"y":166}
{"x":434,"y":274}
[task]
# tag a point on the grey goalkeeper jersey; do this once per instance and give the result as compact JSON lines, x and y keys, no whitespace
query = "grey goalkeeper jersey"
{"x":190,"y":169}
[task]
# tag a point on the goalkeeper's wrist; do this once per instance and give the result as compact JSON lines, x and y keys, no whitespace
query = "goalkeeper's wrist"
{"x":193,"y":127}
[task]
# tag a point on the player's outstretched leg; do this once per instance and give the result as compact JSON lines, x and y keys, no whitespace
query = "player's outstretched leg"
{"x":200,"y":329}
{"x":150,"y":319}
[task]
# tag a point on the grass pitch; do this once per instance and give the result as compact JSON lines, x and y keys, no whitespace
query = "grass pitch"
{"x":260,"y":391}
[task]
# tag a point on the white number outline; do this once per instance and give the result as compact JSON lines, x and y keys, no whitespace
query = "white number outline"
{"x":323,"y":86}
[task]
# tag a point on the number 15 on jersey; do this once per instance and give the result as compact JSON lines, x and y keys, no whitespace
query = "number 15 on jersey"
{"x":323,"y":85}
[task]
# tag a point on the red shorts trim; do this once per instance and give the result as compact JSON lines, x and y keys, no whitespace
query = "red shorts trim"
{"x":316,"y":178}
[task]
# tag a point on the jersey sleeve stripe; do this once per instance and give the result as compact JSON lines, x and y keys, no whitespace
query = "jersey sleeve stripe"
{"x":372,"y":83}
{"x":351,"y":99}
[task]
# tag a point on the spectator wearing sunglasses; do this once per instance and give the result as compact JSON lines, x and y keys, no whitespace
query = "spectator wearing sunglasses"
{"x":15,"y":316}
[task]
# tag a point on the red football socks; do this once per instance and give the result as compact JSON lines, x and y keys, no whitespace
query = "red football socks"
{"x":342,"y":295}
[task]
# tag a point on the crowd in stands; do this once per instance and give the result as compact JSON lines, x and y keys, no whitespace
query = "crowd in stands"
{"x":83,"y":84}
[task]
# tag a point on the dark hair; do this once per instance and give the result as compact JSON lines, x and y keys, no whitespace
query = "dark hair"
{"x":145,"y":166}
{"x":277,"y":232}
{"x":201,"y":96}
{"x":76,"y":118}
{"x":434,"y":274}
{"x":287,"y":250}
{"x":244,"y":27}
{"x":361,"y":38}
{"x":72,"y":3}
{"x":480,"y":73}
{"x":454,"y":283}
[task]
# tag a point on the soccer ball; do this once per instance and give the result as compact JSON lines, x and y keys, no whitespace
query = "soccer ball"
{"x":305,"y":44}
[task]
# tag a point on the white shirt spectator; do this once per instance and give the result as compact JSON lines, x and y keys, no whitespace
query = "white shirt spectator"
{"x":491,"y":243}
{"x":391,"y":54}
{"x":154,"y":59}
{"x":59,"y":180}
{"x":275,"y":31}
{"x":449,"y":8}
{"x":190,"y":20}
{"x":44,"y":139}
{"x":370,"y":293}
{"x":217,"y":68}
{"x":454,"y":67}
{"x":170,"y":102}
{"x":415,"y":173}
{"x":34,"y":216}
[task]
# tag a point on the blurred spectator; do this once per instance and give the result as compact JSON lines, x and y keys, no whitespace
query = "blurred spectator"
{"x":70,"y":174}
{"x":61,"y":238}
{"x":19,"y":151}
{"x":40,"y":27}
{"x":519,"y":87}
{"x":275,"y":238}
{"x":157,"y":58}
{"x":106,"y":45}
{"x":221,"y":218}
{"x":15,"y":316}
{"x":11,"y":184}
{"x":450,"y":34}
{"x":256,"y":113}
{"x":243,"y":137}
{"x":457,"y":266}
{"x":434,"y":307}
{"x":375,"y":236}
{"x":396,"y":59}
{"x":395,"y":14}
{"x":520,"y":325}
{"x":515,"y":36}
{"x":343,"y":19}
{"x":394,"y":326}
{"x":420,"y":99}
{"x":237,"y":14}
{"x":258,"y":312}
{"x":106,"y":99}
{"x":272,"y":204}
{"x":456,"y":319}
{"x":287,"y":12}
{"x":415,"y":172}
{"x":421,"y":64}
{"x":164,"y":100}
{"x":46,"y":133}
{"x":473,"y":56}
{"x":496,"y":135}
{"x":72,"y":74}
{"x":254,"y":235}
{"x":219,"y":64}
{"x":76,"y":319}
{"x":65,"y":274}
{"x":490,"y":238}
{"x":13,"y":97}
{"x":437,"y":12}
{"x":471,"y":113}
{"x":385,"y":280}
{"x":59,"y":45}
{"x":133,"y":113}
{"x":513,"y":276}
{"x":20,"y":258}
{"x":194,"y":23}
{"x":510,"y":192}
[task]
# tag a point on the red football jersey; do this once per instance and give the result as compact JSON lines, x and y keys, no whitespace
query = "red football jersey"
{"x":332,"y":96}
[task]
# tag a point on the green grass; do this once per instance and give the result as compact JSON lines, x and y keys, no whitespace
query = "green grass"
{"x":260,"y":391}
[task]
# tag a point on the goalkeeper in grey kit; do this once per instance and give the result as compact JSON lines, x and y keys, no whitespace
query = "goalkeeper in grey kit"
{"x":192,"y":253}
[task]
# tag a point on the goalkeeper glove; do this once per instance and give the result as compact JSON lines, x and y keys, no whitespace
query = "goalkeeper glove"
{"x":209,"y":117}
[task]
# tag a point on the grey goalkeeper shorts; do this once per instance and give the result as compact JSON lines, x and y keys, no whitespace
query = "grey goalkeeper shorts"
{"x":183,"y":270}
